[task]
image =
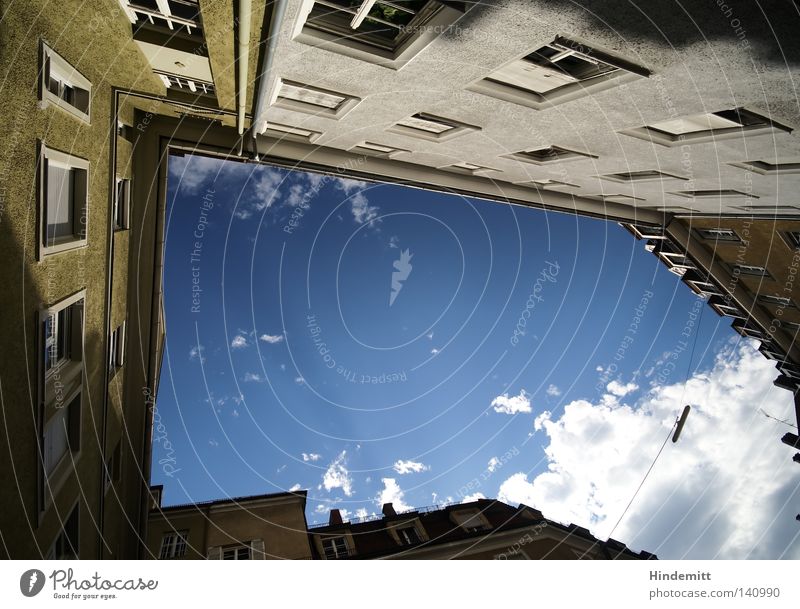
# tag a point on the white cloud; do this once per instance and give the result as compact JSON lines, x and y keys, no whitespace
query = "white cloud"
{"x":271,"y":338}
{"x":393,"y":241}
{"x":311,"y":457}
{"x":299,"y":380}
{"x":553,"y":391}
{"x":337,"y":476}
{"x":408,"y":467}
{"x":393,"y":494}
{"x":473,"y":497}
{"x":362,"y":211}
{"x":434,"y":351}
{"x":362,"y":513}
{"x":429,"y":336}
{"x":281,"y":468}
{"x":295,"y":487}
{"x":493,"y":464}
{"x":213,"y":442}
{"x":252,"y":377}
{"x":618,"y":389}
{"x":196,"y":352}
{"x":727,"y":489}
{"x":239,"y":342}
{"x":512,"y":405}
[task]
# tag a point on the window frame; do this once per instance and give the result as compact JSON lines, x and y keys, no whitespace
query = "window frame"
{"x":664,"y":138}
{"x":395,"y":58}
{"x":457,"y":128}
{"x":346,"y":105}
{"x":116,"y":348}
{"x":173,"y":544}
{"x":80,"y":210}
{"x":237,"y":549}
{"x":765,"y":273}
{"x":624,"y":72}
{"x":121,"y":210}
{"x":48,"y":61}
{"x":702,"y":234}
{"x":336,"y":552}
{"x":562,"y":155}
{"x":363,"y":148}
{"x":462,"y":517}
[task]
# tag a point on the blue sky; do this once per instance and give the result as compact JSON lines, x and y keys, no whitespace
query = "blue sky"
{"x":531,"y":356}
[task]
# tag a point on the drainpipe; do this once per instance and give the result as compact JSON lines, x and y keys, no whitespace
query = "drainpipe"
{"x":265,"y":80}
{"x":243,"y":59}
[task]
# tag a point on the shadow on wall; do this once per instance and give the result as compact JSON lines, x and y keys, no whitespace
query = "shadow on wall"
{"x":766,"y":29}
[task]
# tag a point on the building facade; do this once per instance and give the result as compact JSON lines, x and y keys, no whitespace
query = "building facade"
{"x":679,"y":125}
{"x":246,"y":528}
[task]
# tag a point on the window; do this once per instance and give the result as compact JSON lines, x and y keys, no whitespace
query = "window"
{"x":63,"y":86}
{"x":116,"y":348}
{"x":714,"y":194}
{"x":62,"y":435}
{"x":718,"y":234}
{"x":335,"y":547}
{"x":792,"y":239}
{"x":770,"y":167}
{"x":700,"y":128}
{"x":617,"y":198}
{"x":778,"y":301}
{"x":748,"y":269}
{"x":378,"y":150}
{"x":471,"y":521}
{"x":313,"y":100}
{"x":63,"y":198}
{"x":433,"y":128}
{"x":388,"y":33}
{"x":549,"y":154}
{"x":548,"y":184}
{"x":646,"y":175}
{"x":557,"y":72}
{"x":172,"y":14}
{"x":236,"y":553}
{"x":408,"y":535}
{"x":469,"y":169}
{"x":66,"y":545}
{"x":114,"y":466}
{"x":295,"y":134}
{"x":173,"y":544}
{"x":62,"y":335}
{"x":122,"y":202}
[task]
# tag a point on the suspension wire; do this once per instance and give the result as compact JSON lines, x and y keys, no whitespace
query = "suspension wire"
{"x":660,"y":450}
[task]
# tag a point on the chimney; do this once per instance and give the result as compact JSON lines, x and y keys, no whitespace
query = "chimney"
{"x":336,"y":517}
{"x":388,"y":510}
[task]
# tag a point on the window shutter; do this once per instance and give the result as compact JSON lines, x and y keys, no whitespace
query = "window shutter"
{"x":214,"y":553}
{"x":257,"y":546}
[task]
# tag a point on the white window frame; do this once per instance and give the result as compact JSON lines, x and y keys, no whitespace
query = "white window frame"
{"x":66,"y":376}
{"x":469,"y":169}
{"x":346,"y":105}
{"x":80,"y":211}
{"x":561,"y":155}
{"x":122,"y":204}
{"x":652,"y":134}
{"x":236,"y":550}
{"x":52,"y":62}
{"x":54,"y":475}
{"x":174,"y":545}
{"x":424,"y":34}
{"x":623,"y":71}
{"x":116,"y":348}
{"x":457,"y":128}
{"x":708,"y":234}
{"x":336,"y":552}
{"x":381,"y":151}
{"x":462,"y":518}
